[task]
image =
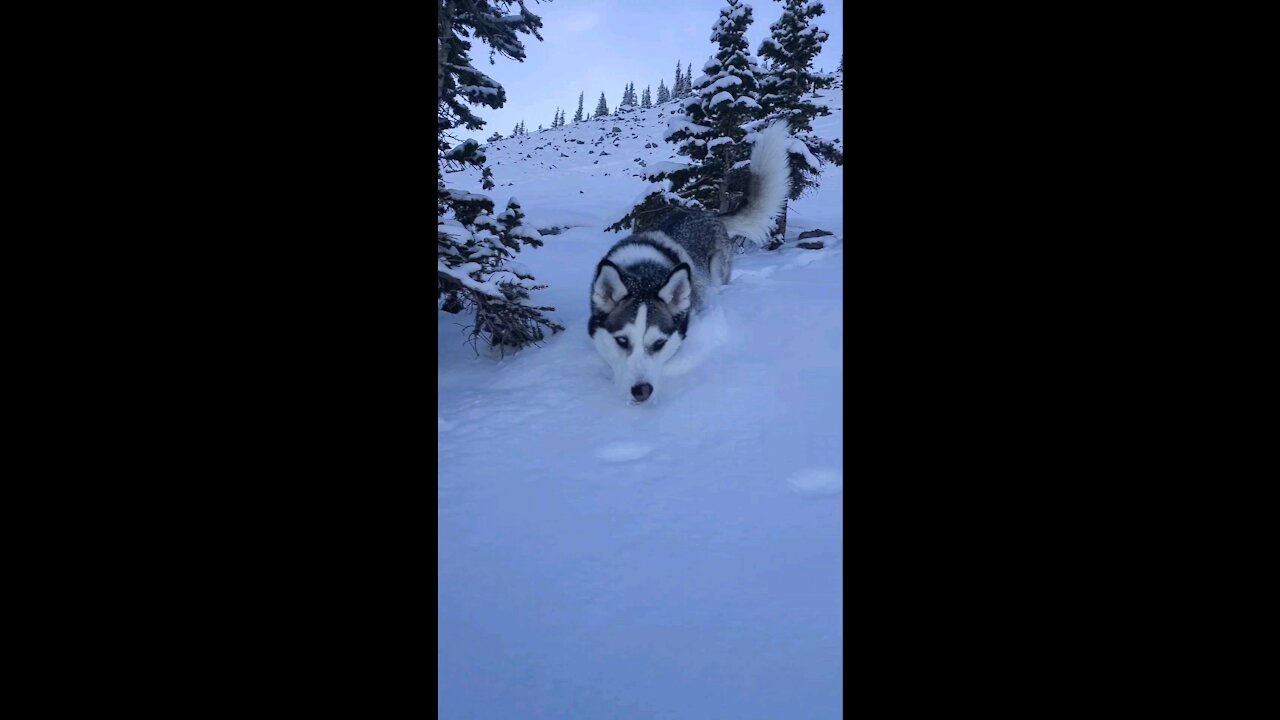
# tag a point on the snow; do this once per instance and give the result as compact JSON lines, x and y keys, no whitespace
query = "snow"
{"x":719,"y":141}
{"x":478,"y":89}
{"x":666,"y":166}
{"x":464,"y":195}
{"x":677,"y":559}
{"x":795,"y":147}
{"x":722,"y":97}
{"x":488,"y":287}
{"x":725,"y":82}
{"x":675,"y":125}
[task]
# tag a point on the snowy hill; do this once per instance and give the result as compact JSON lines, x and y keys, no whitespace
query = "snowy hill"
{"x":587,"y":175}
{"x":677,"y":559}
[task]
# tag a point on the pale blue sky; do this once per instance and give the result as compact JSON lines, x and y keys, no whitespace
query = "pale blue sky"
{"x":601,"y":45}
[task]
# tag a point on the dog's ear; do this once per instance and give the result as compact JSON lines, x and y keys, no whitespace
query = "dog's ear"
{"x":608,"y":289}
{"x":677,"y":292}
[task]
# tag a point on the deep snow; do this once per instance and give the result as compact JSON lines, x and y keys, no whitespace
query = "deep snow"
{"x":678,"y":559}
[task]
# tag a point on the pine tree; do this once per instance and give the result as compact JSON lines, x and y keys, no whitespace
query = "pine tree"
{"x":688,"y":80}
{"x":503,"y":318}
{"x":790,"y":50}
{"x":494,"y":137}
{"x":602,"y":108}
{"x":711,"y":133}
{"x":664,"y":95}
{"x":470,"y":266}
{"x":646,"y":101}
{"x":675,"y":89}
{"x":577,"y":117}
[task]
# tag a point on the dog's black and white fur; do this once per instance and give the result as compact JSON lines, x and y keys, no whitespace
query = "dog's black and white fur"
{"x":649,"y":283}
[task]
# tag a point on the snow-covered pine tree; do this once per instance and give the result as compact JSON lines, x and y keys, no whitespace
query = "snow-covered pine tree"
{"x":555,"y":119}
{"x":664,"y":95}
{"x":577,"y":117}
{"x":646,"y":100}
{"x":710,"y":134}
{"x":494,"y":137}
{"x":469,"y":266}
{"x":790,"y":50}
{"x":504,"y":320}
{"x":688,"y":79}
{"x":539,"y":127}
{"x":675,"y":89}
{"x":602,"y":108}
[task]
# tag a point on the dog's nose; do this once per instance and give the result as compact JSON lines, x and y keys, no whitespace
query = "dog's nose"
{"x":641,"y":392}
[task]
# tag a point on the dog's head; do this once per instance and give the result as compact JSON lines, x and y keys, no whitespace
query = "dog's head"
{"x":639,"y":317}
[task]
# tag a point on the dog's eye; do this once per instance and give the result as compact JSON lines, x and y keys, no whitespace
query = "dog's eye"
{"x":658,"y":345}
{"x":622,"y":342}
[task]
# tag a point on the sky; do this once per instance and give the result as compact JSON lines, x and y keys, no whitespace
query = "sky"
{"x":601,"y":45}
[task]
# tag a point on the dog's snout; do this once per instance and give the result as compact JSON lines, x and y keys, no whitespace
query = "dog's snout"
{"x":641,"y":392}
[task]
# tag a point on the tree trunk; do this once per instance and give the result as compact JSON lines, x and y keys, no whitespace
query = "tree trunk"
{"x":442,"y":49}
{"x":724,"y":183}
{"x":782,"y":228}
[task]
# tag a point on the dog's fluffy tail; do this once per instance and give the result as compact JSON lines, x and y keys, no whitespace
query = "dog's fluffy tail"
{"x":770,"y":186}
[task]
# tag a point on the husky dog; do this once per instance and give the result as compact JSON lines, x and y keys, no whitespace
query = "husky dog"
{"x":648,"y":284}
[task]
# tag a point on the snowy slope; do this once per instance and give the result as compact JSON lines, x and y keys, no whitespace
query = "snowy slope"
{"x":678,"y":559}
